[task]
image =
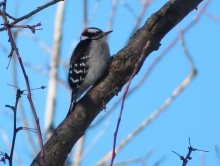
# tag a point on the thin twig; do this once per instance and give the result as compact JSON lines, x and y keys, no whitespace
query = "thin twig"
{"x":9,"y":16}
{"x":112,"y":15}
{"x":31,"y":27}
{"x":15,"y":128}
{"x":14,"y":109}
{"x":43,"y":71}
{"x":136,"y":68}
{"x":31,"y":13}
{"x":20,"y":105}
{"x":212,"y":17}
{"x":14,"y":48}
{"x":188,"y":156}
{"x":53,"y":74}
{"x":79,"y":151}
{"x":85,"y":13}
{"x":140,"y":18}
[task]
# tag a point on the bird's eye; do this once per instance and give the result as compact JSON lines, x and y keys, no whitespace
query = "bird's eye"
{"x":97,"y":33}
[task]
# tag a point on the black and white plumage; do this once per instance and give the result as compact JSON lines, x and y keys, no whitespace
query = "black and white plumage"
{"x":88,"y":62}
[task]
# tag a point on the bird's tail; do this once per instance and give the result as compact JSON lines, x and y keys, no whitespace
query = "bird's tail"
{"x":73,"y":102}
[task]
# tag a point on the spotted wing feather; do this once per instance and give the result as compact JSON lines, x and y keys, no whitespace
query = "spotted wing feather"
{"x":78,"y":67}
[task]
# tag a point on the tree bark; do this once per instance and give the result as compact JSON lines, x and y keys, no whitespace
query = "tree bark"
{"x":73,"y":127}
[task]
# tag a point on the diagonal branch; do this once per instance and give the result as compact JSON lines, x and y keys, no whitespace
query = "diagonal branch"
{"x":73,"y":127}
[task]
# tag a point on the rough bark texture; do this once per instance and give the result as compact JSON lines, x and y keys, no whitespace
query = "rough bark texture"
{"x":73,"y":127}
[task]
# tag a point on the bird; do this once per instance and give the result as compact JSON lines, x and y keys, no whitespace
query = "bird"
{"x":88,"y":62}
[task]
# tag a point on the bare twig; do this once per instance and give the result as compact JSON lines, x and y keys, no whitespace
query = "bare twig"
{"x":53,"y":74}
{"x":20,"y":105}
{"x":79,"y":151}
{"x":29,"y":14}
{"x":14,"y":48}
{"x":9,"y":16}
{"x":15,"y":129}
{"x":31,"y":27}
{"x":188,"y":156}
{"x":85,"y":13}
{"x":44,"y":72}
{"x":136,"y":68}
{"x":112,"y":15}
{"x":140,"y":17}
{"x":212,"y":17}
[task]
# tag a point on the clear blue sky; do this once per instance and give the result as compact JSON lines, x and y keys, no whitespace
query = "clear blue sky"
{"x":194,"y":113}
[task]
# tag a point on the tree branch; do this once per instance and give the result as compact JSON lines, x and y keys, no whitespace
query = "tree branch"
{"x":73,"y":127}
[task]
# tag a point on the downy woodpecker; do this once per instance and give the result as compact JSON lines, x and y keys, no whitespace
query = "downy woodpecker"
{"x":88,"y":62}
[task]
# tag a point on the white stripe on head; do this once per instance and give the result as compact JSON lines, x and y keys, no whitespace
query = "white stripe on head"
{"x":84,"y":37}
{"x":93,"y":30}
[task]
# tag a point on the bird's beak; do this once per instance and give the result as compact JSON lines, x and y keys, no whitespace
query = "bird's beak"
{"x":106,"y":33}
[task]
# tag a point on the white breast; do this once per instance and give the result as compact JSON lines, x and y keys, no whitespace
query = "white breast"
{"x":98,"y":63}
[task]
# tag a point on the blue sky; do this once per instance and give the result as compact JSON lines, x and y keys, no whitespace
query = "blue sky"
{"x":194,"y":113}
